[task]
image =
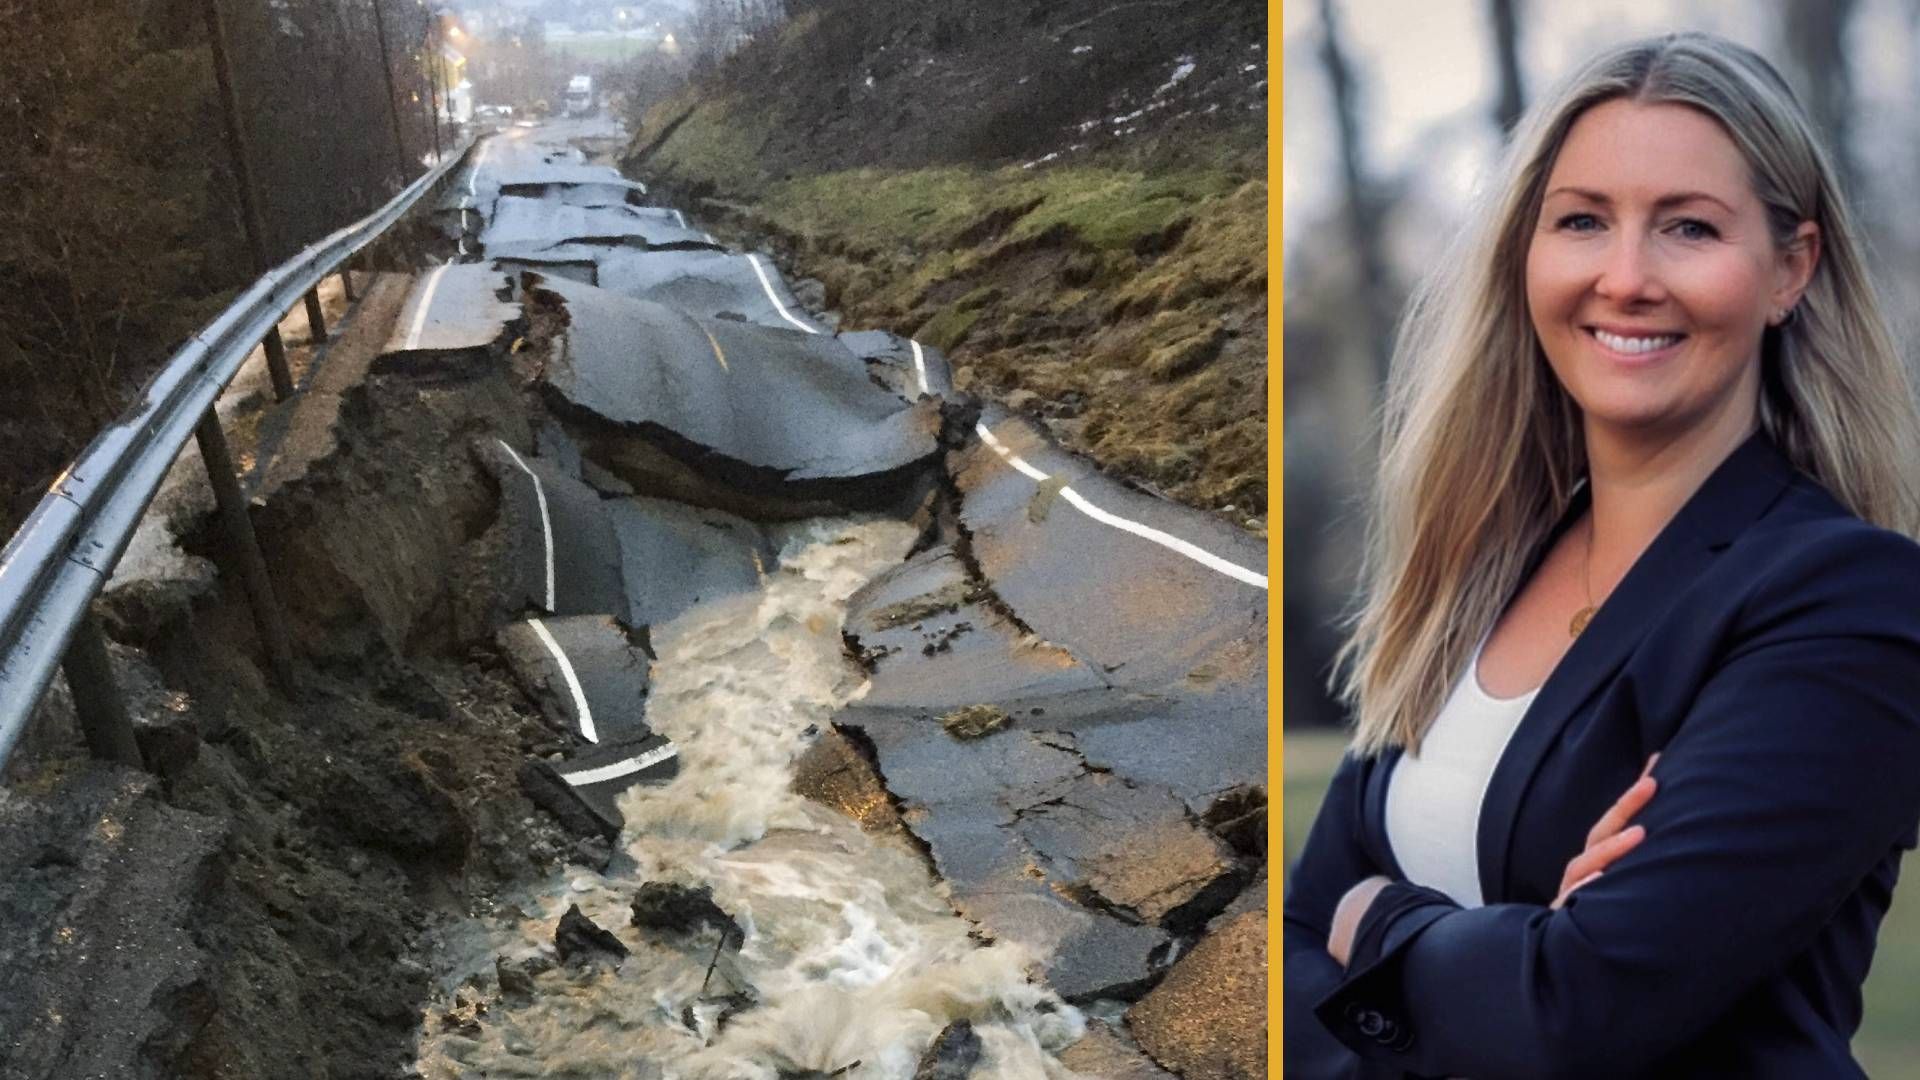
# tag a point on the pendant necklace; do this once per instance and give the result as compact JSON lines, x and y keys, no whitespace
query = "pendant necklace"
{"x":1585,"y":615}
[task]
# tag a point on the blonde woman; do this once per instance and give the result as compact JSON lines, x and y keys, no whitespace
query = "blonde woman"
{"x":1636,"y":677}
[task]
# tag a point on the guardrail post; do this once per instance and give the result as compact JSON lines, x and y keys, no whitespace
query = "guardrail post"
{"x":253,"y":566}
{"x":346,"y":279}
{"x":277,"y":364}
{"x":96,"y":695}
{"x":316,"y":319}
{"x":243,"y":179}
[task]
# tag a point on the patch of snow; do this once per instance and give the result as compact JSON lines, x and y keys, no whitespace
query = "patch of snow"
{"x":1078,"y":49}
{"x":1179,"y":75}
{"x":1251,"y":67}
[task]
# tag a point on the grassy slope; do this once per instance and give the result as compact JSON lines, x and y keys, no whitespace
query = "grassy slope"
{"x":1121,"y":297}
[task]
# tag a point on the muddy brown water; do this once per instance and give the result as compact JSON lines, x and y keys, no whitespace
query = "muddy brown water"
{"x":852,"y":955}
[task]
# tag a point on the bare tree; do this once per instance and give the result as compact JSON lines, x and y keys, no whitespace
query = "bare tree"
{"x":1363,"y":211}
{"x":1505,"y":24}
{"x":1816,"y":32}
{"x":718,"y":28}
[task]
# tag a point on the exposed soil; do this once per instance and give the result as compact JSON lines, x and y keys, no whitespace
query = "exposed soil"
{"x":352,"y":819}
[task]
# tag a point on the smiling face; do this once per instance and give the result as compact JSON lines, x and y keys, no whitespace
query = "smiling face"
{"x":1652,"y":273}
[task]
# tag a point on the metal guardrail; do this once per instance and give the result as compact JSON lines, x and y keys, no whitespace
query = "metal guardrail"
{"x":66,"y":551}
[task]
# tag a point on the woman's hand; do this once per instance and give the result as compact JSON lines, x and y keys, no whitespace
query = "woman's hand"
{"x":1610,"y":837}
{"x":1346,"y":917}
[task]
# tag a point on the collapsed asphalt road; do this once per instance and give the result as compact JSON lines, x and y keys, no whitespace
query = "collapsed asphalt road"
{"x":1059,"y":680}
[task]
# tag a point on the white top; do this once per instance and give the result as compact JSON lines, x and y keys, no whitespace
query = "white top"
{"x":1433,"y":801}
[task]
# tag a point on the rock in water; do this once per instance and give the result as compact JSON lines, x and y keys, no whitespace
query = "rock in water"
{"x":578,"y":938}
{"x":953,"y":1054}
{"x":680,"y":909}
{"x":516,"y":976}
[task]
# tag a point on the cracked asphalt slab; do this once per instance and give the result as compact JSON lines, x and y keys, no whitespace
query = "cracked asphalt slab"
{"x":570,"y":550}
{"x":453,"y":308}
{"x":562,"y":553}
{"x":588,"y":675}
{"x":907,"y":366}
{"x":707,"y":283}
{"x":931,"y":641}
{"x":1132,"y":678}
{"x":582,"y":790}
{"x":518,"y":225}
{"x":1160,"y":616}
{"x":710,"y":382}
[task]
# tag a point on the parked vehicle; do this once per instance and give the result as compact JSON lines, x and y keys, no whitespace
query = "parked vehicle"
{"x":580,"y":96}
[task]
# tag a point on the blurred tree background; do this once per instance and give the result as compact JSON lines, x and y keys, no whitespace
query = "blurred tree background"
{"x":120,"y":230}
{"x":1394,"y":112}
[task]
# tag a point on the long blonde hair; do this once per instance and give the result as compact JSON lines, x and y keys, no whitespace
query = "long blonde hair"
{"x":1481,"y":448}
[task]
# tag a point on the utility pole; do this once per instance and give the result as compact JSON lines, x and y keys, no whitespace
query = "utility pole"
{"x":393,"y":96}
{"x":243,"y":179}
{"x":433,"y":84}
{"x":213,"y":441}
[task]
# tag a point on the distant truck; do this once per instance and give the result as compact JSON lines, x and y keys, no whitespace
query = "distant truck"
{"x":580,"y":96}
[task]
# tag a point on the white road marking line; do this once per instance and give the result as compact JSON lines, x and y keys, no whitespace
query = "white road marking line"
{"x":426,"y":304}
{"x":919,"y":366}
{"x":681,"y":218}
{"x":546,"y":522}
{"x":580,"y":710}
{"x":1009,"y":456}
{"x":710,"y":239}
{"x":1146,"y":532}
{"x":623,"y":768}
{"x":475,"y":174}
{"x":754,"y":261}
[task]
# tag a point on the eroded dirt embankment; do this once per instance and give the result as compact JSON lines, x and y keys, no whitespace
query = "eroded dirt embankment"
{"x":303,"y":848}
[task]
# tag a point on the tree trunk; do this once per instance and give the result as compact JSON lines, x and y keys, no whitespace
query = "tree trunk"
{"x":1506,"y":51}
{"x":1363,"y":211}
{"x":1816,"y":33}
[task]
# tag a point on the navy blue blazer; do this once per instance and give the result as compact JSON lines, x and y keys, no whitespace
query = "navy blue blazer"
{"x":1768,"y":644}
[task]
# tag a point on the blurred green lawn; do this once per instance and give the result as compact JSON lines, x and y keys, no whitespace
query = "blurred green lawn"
{"x":602,"y":47}
{"x":1888,"y":1045}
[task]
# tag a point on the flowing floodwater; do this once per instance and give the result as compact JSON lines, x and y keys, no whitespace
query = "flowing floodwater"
{"x":851,"y":952}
